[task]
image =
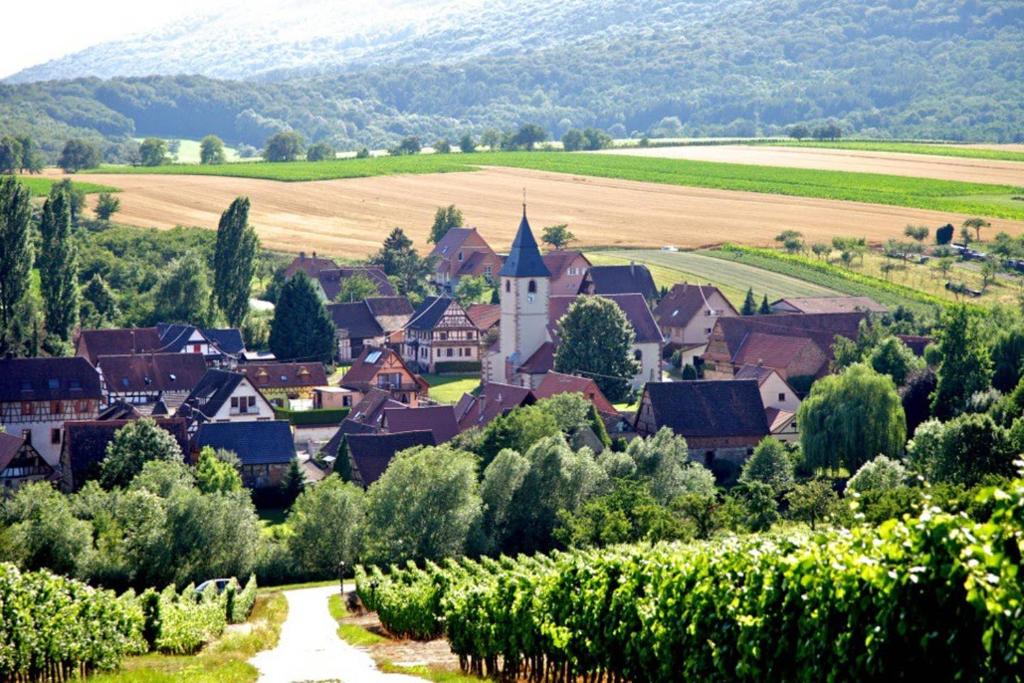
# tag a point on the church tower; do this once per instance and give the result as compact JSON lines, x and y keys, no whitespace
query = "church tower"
{"x":525,"y":293}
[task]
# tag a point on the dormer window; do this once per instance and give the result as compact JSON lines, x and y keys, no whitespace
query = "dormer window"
{"x":460,"y":255}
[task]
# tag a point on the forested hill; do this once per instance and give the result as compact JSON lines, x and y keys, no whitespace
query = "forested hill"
{"x":932,"y":68}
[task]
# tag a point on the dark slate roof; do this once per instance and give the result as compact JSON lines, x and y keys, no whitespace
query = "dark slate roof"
{"x":260,"y":442}
{"x":370,"y":410}
{"x":684,"y":301}
{"x":213,"y":390}
{"x":439,"y":420}
{"x":48,"y":379}
{"x":631,"y":279}
{"x":85,"y":443}
{"x":175,"y":336}
{"x":356,"y":319}
{"x":331,"y":280}
{"x":389,"y":305}
{"x":119,"y":410}
{"x":284,"y":375}
{"x":524,"y":259}
{"x":372,"y":453}
{"x":494,"y":399}
{"x":429,"y":313}
{"x":152,"y":372}
{"x":708,"y":408}
{"x":95,"y":343}
{"x":634,"y":306}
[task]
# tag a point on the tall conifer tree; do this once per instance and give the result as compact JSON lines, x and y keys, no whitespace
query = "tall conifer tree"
{"x":15,"y":254}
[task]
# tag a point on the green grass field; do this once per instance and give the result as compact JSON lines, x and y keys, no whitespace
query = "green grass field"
{"x":188,"y":152}
{"x":40,"y":187}
{"x":733,"y":279}
{"x":934,"y":149}
{"x":923,"y":193}
{"x":450,"y":388}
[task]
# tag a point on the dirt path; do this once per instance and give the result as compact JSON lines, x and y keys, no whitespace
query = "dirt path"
{"x":310,"y":650}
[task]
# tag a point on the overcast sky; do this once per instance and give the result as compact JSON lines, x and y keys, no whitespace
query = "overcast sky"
{"x":38,"y":30}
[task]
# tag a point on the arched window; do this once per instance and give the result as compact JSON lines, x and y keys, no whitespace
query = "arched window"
{"x":508,"y":285}
{"x":637,"y":355}
{"x":532,"y":287}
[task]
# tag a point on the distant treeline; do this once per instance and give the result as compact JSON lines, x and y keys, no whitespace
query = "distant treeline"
{"x":931,"y":69}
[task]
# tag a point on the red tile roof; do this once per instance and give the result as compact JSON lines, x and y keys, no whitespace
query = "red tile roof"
{"x":92,"y":344}
{"x":769,"y":349}
{"x":152,"y":372}
{"x":557,"y":383}
{"x":370,"y":362}
{"x":310,"y":265}
{"x":494,"y":399}
{"x":284,"y":375}
{"x":829,"y":304}
{"x":820,"y":327}
{"x":484,"y":316}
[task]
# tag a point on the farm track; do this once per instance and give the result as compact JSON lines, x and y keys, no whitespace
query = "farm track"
{"x":858,"y":161}
{"x":351,"y":217}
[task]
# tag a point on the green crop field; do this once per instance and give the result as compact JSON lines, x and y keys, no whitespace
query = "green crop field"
{"x":299,"y":171}
{"x":733,"y":279}
{"x":934,"y":149}
{"x":40,"y":187}
{"x":922,"y":193}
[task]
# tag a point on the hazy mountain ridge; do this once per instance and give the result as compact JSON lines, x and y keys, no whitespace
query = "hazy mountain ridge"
{"x":715,"y":67}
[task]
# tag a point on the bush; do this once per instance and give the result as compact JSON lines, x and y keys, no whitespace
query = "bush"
{"x":189,"y":620}
{"x":455,"y":367}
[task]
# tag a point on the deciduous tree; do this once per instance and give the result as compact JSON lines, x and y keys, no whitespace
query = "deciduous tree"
{"x":320,"y":151}
{"x":78,"y":154}
{"x":558,"y":236}
{"x":770,"y":464}
{"x":182,"y":294}
{"x":133,"y":446}
{"x":849,"y":418}
{"x":211,"y":150}
{"x":596,"y":341}
{"x":445,"y":218}
{"x":284,"y":146}
{"x":965,"y":368}
{"x":234,"y":261}
{"x":153,"y":152}
{"x":16,"y":256}
{"x":326,"y":521}
{"x":356,"y":288}
{"x":217,"y":471}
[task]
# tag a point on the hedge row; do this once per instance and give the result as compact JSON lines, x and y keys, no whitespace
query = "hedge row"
{"x":309,"y":418}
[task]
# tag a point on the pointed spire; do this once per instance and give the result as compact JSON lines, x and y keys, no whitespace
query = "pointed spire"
{"x":524,"y":259}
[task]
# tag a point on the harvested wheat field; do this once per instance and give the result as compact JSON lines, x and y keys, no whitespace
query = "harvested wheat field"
{"x":350,"y":218}
{"x":858,"y":161}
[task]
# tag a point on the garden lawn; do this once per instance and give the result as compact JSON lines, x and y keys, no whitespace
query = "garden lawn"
{"x":450,"y":388}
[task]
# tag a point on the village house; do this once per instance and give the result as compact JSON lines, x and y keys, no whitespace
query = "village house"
{"x":370,"y":454}
{"x":286,"y":384}
{"x":85,"y":446}
{"x":441,"y":337}
{"x":265,"y":450}
{"x":780,"y":400}
{"x":21,"y":464}
{"x":144,"y":379}
{"x":382,"y":368}
{"x":827,"y":304}
{"x":38,"y":395}
{"x":720,"y":419}
{"x":223,"y":396}
{"x":310,"y":265}
{"x":493,"y":400}
{"x":567,"y":268}
{"x":438,"y":420}
{"x":797,"y":345}
{"x":687,"y":316}
{"x":626,"y":279}
{"x":555,"y":383}
{"x":330,"y":282}
{"x":355,"y":329}
{"x":528,"y":338}
{"x":462,"y":252}
{"x":485,"y":317}
{"x":217,"y":346}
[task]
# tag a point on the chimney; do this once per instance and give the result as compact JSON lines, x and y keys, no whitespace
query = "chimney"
{"x":314,"y":255}
{"x":632,"y":267}
{"x":302,"y":256}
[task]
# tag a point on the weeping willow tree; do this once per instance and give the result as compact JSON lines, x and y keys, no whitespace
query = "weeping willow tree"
{"x":850,"y":418}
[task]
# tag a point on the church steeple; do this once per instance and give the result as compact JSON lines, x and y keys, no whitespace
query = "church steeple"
{"x":524,"y":259}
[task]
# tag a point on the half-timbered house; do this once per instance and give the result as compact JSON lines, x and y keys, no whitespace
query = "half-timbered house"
{"x":441,"y":337}
{"x":20,"y":464}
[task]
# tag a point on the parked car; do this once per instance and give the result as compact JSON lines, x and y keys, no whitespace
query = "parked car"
{"x":213,"y":584}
